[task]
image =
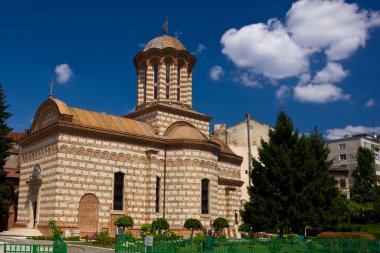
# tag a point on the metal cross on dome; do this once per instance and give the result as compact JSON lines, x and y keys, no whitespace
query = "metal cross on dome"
{"x":166,"y":26}
{"x":51,"y":88}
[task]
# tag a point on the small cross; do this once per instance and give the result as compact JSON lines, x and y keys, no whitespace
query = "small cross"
{"x":51,"y":88}
{"x":166,"y":26}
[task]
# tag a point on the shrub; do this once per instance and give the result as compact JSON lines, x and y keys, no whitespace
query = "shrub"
{"x":146,"y":229}
{"x":192,"y":224}
{"x":71,"y":238}
{"x":124,"y":221}
{"x":171,"y":235}
{"x":56,"y":230}
{"x":219,"y":224}
{"x":359,"y":235}
{"x":160,"y":224}
{"x":104,"y":238}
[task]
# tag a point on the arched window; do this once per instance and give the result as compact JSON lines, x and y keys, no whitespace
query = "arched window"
{"x":158,"y":182}
{"x":179,"y":82}
{"x":205,"y":196}
{"x":167,"y":91}
{"x":167,"y":72}
{"x":155,"y":69}
{"x":118,"y":188}
{"x":145,"y":76}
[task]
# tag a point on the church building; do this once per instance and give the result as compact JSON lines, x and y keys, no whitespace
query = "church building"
{"x":85,"y":169}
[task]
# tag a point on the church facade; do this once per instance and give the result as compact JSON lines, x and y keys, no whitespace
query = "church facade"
{"x":84,"y":169}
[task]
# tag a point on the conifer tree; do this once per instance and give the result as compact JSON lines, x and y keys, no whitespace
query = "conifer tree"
{"x":291,"y":185}
{"x":6,"y":186}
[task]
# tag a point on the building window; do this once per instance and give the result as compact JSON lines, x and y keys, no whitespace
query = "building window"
{"x":118,"y":187}
{"x":342,"y":146}
{"x":342,"y":183}
{"x":158,"y":181}
{"x":205,"y":196}
{"x":155,"y":68}
{"x":343,"y":166}
{"x":377,"y":157}
{"x":145,"y":76}
{"x":167,"y":72}
{"x":167,"y":91}
{"x":179,"y":82}
{"x":342,"y":157}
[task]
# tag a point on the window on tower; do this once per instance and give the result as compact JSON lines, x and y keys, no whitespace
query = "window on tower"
{"x":167,"y":91}
{"x":167,"y":72}
{"x":155,"y":69}
{"x":145,"y":76}
{"x":179,"y":82}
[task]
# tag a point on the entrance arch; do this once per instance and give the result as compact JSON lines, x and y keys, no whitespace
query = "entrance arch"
{"x":88,"y":214}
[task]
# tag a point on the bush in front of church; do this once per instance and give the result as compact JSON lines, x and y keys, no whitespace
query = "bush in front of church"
{"x":124,"y":221}
{"x":160,"y":224}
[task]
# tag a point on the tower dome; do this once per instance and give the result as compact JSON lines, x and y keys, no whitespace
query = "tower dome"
{"x":164,"y":41}
{"x":164,"y":73}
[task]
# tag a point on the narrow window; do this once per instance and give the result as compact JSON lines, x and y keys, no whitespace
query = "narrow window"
{"x":179,"y":82}
{"x":145,"y":75}
{"x":157,"y":209}
{"x":155,"y":91}
{"x":342,"y":146}
{"x":118,"y":191}
{"x":155,"y":72}
{"x":167,"y":91}
{"x":205,"y":197}
{"x":167,"y":72}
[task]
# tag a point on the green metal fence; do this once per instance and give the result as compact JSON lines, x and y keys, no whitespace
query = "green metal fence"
{"x":58,"y":246}
{"x":211,"y":245}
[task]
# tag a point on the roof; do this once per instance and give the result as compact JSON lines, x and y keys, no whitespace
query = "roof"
{"x":183,"y":130}
{"x":223,"y":146}
{"x":164,"y":41}
{"x":98,"y":120}
{"x":15,"y":136}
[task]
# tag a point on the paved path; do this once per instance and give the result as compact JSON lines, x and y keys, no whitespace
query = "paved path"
{"x":9,"y":239}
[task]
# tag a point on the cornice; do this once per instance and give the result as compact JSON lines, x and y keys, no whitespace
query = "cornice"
{"x":230,"y":182}
{"x":169,"y":109}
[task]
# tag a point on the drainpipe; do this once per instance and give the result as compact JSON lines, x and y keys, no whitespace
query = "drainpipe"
{"x":247,"y":119}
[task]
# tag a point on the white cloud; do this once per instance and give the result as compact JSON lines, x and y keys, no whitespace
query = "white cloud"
{"x":63,"y":73}
{"x":338,"y":133}
{"x":332,"y":73}
{"x":334,"y":26}
{"x":266,"y":49}
{"x":370,"y":103}
{"x":278,"y":50}
{"x":248,"y":79}
{"x":216,"y":73}
{"x":282,"y":92}
{"x":319,"y":93}
{"x":200,"y":49}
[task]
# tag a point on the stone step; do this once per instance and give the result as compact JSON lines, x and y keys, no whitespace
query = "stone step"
{"x":21,"y":232}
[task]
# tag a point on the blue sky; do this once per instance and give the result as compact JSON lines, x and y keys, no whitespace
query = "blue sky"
{"x":319,"y":60}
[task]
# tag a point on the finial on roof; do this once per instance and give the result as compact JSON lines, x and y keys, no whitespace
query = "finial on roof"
{"x":166,"y":26}
{"x":51,"y":87}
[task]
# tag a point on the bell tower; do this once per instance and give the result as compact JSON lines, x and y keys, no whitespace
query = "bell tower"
{"x":164,"y":73}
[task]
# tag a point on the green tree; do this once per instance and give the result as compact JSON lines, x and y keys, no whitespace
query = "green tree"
{"x":124,"y":221}
{"x":364,"y":175}
{"x":160,"y":224}
{"x":364,"y":190}
{"x":291,"y":184}
{"x":192,"y":224}
{"x":219,"y":224}
{"x":7,"y":194}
